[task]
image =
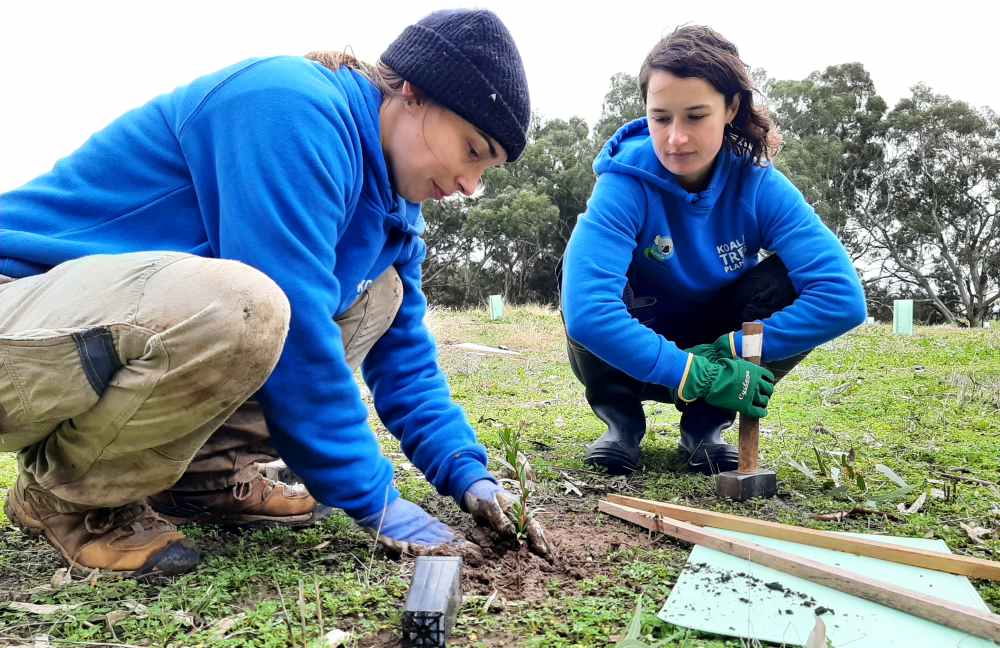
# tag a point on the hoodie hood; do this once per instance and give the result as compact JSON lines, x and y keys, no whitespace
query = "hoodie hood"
{"x":630,"y":152}
{"x":365,"y":101}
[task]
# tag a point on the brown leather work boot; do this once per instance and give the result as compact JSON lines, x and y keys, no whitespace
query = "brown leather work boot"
{"x":260,"y":501}
{"x":130,"y":539}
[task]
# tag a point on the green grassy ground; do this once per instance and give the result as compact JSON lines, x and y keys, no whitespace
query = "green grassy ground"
{"x":926,"y":406}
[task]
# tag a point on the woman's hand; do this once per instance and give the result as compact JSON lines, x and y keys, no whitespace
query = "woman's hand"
{"x":490,"y":504}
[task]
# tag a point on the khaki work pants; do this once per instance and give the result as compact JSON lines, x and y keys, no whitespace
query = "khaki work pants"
{"x":122,"y":374}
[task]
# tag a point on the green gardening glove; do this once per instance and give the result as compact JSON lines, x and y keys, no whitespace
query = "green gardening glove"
{"x":724,"y":347}
{"x":731,"y":384}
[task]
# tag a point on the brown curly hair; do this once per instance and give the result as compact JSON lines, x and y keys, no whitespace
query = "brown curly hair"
{"x":699,"y":51}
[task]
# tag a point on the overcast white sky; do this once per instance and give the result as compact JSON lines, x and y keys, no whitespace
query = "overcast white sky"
{"x":68,"y":68}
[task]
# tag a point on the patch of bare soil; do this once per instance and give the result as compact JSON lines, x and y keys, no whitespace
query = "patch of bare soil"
{"x":581,"y":550}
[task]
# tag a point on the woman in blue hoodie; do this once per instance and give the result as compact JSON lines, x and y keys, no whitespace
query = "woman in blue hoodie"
{"x":199,"y":281}
{"x":665,"y":264}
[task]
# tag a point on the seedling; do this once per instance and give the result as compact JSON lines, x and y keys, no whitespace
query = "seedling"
{"x":837,"y":478}
{"x":510,"y":442}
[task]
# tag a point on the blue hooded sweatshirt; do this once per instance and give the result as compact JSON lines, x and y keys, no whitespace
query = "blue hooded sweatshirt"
{"x":277,"y":163}
{"x":642,"y":227}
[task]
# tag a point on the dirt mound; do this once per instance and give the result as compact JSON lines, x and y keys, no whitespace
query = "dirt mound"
{"x":580,"y":547}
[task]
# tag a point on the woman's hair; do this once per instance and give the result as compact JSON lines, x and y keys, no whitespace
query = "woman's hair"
{"x":698,"y":51}
{"x":385,"y":78}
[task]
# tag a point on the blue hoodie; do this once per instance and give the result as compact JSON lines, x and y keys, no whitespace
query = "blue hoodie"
{"x":277,"y":163}
{"x":642,"y":227}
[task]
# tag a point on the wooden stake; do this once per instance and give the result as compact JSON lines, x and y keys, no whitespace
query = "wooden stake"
{"x":959,"y":617}
{"x":753,"y":332}
{"x":951,"y":563}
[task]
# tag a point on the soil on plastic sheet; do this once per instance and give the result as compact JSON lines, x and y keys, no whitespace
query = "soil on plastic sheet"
{"x":580,"y":551}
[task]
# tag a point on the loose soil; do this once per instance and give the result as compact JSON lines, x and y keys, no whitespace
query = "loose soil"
{"x":580,"y":550}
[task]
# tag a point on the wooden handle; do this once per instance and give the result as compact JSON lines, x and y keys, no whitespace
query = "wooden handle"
{"x":951,"y":563}
{"x":753,"y":333}
{"x":959,"y":617}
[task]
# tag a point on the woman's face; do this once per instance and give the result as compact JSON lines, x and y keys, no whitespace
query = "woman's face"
{"x":687,"y":118}
{"x":434,"y":153}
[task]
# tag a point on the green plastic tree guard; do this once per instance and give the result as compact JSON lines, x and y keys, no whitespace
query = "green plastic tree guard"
{"x":902,"y":317}
{"x":496,"y":307}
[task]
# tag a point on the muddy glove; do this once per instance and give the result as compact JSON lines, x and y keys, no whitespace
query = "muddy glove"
{"x":404,"y":527}
{"x":735,"y":385}
{"x":490,"y":504}
{"x":723,"y":348}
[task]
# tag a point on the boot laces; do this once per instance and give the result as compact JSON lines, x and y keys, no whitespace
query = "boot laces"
{"x":243,"y":490}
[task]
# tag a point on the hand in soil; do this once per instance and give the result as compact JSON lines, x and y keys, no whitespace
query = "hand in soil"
{"x":494,"y":511}
{"x":403,"y":527}
{"x":457,"y":547}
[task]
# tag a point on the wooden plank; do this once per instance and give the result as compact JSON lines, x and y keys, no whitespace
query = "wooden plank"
{"x":959,"y":617}
{"x":950,"y":563}
{"x":750,"y":426}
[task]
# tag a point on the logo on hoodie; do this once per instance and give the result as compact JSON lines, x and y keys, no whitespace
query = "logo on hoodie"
{"x":661,"y":249}
{"x":732,"y":254}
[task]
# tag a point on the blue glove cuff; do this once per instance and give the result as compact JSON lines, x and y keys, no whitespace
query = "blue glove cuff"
{"x":483,"y":489}
{"x":405,"y":521}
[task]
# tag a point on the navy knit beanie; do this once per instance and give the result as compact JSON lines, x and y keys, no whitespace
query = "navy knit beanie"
{"x":466,"y":61}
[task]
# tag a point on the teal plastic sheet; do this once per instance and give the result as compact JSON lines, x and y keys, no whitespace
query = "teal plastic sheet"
{"x":726,"y":595}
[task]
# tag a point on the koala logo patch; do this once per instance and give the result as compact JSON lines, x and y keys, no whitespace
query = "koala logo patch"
{"x":661,"y":249}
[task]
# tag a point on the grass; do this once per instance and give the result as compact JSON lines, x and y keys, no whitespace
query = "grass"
{"x":925,"y":406}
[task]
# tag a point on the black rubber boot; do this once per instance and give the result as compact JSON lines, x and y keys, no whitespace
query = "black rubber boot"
{"x":615,"y":398}
{"x":702,"y":445}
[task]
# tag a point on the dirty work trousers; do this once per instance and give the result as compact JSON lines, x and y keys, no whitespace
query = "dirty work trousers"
{"x":124,"y":375}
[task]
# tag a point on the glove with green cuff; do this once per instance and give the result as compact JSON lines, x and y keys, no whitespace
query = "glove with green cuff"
{"x":723,"y":348}
{"x":731,"y":384}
